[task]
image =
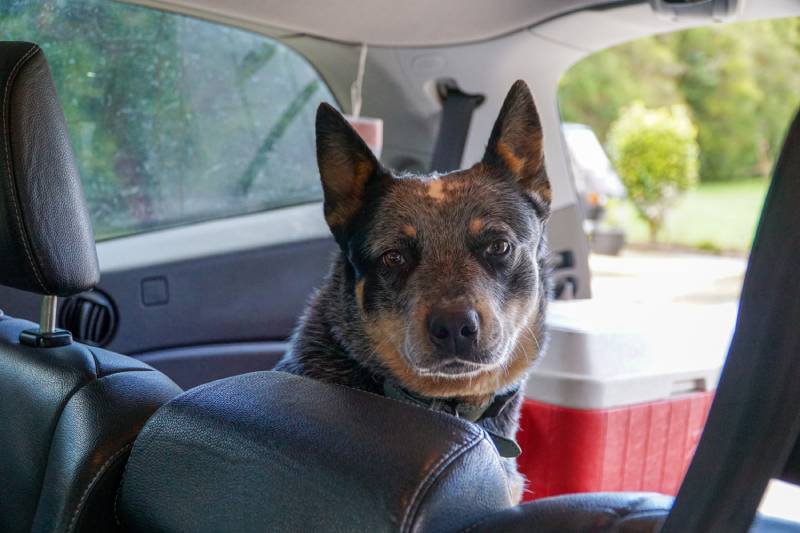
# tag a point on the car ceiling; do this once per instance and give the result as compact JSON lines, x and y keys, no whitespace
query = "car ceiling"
{"x":385,"y":22}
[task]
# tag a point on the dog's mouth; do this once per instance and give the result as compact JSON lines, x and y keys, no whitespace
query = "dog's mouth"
{"x":425,"y":361}
{"x":455,"y":367}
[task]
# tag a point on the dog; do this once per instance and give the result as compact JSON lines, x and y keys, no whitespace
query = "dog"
{"x":439,"y":289}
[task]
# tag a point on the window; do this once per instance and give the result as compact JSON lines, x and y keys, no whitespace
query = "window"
{"x":174,"y":119}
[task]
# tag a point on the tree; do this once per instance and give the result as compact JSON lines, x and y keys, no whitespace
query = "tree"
{"x":738,"y":80}
{"x":174,"y":119}
{"x":719,"y":85}
{"x":655,"y":152}
{"x":596,"y":89}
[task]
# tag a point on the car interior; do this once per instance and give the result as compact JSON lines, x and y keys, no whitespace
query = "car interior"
{"x":135,"y":361}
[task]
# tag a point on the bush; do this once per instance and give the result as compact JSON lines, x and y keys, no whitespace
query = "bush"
{"x":655,"y":152}
{"x":738,"y":80}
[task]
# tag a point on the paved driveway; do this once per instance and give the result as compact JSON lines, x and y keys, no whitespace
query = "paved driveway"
{"x":661,"y":277}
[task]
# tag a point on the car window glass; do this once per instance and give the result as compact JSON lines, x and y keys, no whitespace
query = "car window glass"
{"x":175,"y":119}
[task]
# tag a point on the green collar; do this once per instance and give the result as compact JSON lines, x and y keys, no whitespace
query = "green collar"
{"x":474,"y":413}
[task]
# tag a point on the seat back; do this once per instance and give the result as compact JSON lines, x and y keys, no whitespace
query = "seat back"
{"x":270,"y":451}
{"x":68,"y":417}
{"x":68,"y":412}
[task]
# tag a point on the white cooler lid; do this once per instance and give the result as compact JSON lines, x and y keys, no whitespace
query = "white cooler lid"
{"x":602,"y":356}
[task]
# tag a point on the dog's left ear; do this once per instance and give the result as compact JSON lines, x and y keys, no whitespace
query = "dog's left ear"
{"x":346,"y":166}
{"x":515,"y":145}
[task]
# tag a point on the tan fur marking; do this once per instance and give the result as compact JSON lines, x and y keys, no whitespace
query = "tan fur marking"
{"x":454,"y":185}
{"x":349,"y":194}
{"x":409,"y":231}
{"x":340,"y":217}
{"x":363,"y":170}
{"x":360,"y":295}
{"x":420,"y":314}
{"x":538,"y":150}
{"x":485,"y":313}
{"x":527,"y":348}
{"x":476,"y":225}
{"x":514,"y":163}
{"x":436,"y":190}
{"x":476,"y":400}
{"x":546,"y":193}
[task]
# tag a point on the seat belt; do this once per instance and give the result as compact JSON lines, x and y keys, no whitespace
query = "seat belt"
{"x":754,"y":420}
{"x":457,"y":109}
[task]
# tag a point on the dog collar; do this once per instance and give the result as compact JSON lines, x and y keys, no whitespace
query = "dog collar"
{"x":474,"y":413}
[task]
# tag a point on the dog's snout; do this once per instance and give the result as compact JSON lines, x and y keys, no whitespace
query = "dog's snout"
{"x":454,"y":330}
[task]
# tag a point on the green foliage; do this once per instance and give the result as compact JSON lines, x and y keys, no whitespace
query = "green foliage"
{"x":655,"y":153}
{"x":595,"y":90}
{"x":739,"y":82}
{"x":709,"y":246}
{"x":174,"y":119}
{"x":721,"y":215}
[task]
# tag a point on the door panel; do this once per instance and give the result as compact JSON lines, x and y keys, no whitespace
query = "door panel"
{"x":209,"y":317}
{"x":242,"y":296}
{"x":196,"y":365}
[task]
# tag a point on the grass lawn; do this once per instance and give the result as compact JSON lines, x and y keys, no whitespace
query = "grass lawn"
{"x":713,"y":217}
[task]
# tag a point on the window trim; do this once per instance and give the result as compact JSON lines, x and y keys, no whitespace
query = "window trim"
{"x":215,"y":237}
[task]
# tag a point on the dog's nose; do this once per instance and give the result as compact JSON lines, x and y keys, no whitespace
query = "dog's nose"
{"x":454,"y":330}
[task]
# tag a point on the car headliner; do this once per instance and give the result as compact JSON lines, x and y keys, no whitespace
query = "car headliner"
{"x":386,"y":22}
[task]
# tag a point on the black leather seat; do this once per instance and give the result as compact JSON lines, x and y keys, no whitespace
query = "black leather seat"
{"x":619,"y":512}
{"x":68,"y":413}
{"x":270,"y":451}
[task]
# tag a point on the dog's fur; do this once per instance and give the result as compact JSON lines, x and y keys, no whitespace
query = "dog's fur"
{"x":370,"y":320}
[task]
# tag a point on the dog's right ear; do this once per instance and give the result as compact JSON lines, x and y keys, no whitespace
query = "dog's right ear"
{"x":346,"y":165}
{"x":516,"y":144}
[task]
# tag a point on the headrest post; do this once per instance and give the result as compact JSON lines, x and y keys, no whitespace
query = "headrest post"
{"x":46,"y":335}
{"x":47,"y":314}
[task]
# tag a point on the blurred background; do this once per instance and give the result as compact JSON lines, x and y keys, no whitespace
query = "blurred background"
{"x":721,"y":95}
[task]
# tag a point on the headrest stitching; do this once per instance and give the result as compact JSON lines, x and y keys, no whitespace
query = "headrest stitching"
{"x":141,"y":442}
{"x":12,"y":190}
{"x":97,"y":475}
{"x":422,"y":489}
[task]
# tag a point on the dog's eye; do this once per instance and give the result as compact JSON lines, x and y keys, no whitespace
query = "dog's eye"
{"x":498,"y":248}
{"x":393,"y":259}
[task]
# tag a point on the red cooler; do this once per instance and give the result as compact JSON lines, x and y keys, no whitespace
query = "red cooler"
{"x":619,"y":404}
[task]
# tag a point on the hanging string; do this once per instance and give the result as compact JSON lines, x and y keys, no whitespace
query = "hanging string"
{"x":355,"y":88}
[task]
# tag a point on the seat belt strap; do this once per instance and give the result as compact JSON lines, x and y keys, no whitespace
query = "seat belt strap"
{"x":457,"y":109}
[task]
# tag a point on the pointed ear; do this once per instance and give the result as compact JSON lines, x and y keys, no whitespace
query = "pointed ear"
{"x":346,"y":165}
{"x":515,"y":145}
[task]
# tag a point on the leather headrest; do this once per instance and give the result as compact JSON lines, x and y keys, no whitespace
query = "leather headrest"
{"x":46,"y":240}
{"x":270,"y":451}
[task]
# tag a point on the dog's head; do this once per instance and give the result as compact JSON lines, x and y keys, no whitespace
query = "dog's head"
{"x":445,"y":270}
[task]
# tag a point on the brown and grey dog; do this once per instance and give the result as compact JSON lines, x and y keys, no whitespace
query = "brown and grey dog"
{"x":439,"y":292}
